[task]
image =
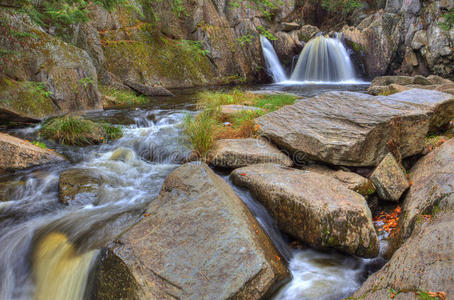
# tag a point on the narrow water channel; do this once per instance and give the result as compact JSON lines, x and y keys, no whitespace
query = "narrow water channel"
{"x":47,"y":249}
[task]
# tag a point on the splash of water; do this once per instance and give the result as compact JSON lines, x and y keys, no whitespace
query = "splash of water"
{"x":273,"y":65}
{"x":324,"y":59}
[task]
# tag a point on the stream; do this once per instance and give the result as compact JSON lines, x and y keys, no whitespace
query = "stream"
{"x":47,"y":249}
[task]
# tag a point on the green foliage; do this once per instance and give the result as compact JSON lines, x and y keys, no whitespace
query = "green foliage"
{"x":39,"y":144}
{"x":195,"y":47}
{"x":341,"y":6}
{"x":70,"y":130}
{"x":245,"y":39}
{"x":448,"y":20}
{"x":267,"y":7}
{"x":121,"y":97}
{"x":263,"y":31}
{"x":85,"y":82}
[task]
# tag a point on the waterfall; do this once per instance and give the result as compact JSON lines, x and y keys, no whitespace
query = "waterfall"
{"x":273,"y":65}
{"x":324,"y":59}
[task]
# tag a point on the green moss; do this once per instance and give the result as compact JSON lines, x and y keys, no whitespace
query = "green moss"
{"x":26,"y":98}
{"x":120,"y":98}
{"x":159,"y":57}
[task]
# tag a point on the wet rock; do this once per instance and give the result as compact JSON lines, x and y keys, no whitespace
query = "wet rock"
{"x":352,"y":181}
{"x":197,"y":240}
{"x":315,"y":208}
{"x":354,"y":129}
{"x":389,"y":179}
{"x":9,"y":189}
{"x":432,"y":189}
{"x":424,"y":263}
{"x":79,"y":186}
{"x":148,"y":90}
{"x":307,"y":32}
{"x":236,"y":153}
{"x":229,"y":111}
{"x":16,"y":154}
{"x":290,"y":26}
{"x":123,"y":154}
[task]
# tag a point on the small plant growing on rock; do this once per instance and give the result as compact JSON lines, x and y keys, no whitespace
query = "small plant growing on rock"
{"x":71,"y":130}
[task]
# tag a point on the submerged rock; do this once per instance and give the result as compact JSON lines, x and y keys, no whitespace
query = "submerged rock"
{"x":236,"y":153}
{"x":9,"y":189}
{"x":79,"y":186}
{"x":432,"y":190}
{"x":352,"y":181}
{"x":389,"y":179}
{"x":19,"y":154}
{"x":312,"y":207}
{"x":197,"y":240}
{"x":354,"y":129}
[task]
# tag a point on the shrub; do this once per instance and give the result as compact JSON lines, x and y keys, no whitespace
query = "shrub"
{"x":71,"y":130}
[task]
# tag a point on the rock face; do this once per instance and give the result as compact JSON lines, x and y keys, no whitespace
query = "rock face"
{"x":432,"y":189}
{"x":42,"y":75}
{"x":387,"y":85}
{"x":353,"y":129}
{"x":148,"y":90}
{"x":79,"y":186}
{"x":315,"y":208}
{"x":352,"y":181}
{"x":236,"y":153}
{"x":405,"y":38}
{"x":389,"y":179}
{"x":197,"y":240}
{"x":19,"y":154}
{"x":424,"y":263}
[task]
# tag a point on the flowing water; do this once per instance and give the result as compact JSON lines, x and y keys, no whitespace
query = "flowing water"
{"x":324,"y":59}
{"x":273,"y":65}
{"x":47,"y":249}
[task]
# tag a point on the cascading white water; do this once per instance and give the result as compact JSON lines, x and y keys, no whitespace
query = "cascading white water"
{"x":324,"y":59}
{"x":273,"y":65}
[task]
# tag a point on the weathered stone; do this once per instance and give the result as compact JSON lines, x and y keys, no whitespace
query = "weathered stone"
{"x":432,"y":189}
{"x":352,"y":181}
{"x":236,"y":153}
{"x":197,"y":240}
{"x":387,"y":80}
{"x":312,"y":207}
{"x":79,"y":186}
{"x":307,"y":32}
{"x":421,"y":80}
{"x":230,"y":110}
{"x":419,"y":40}
{"x":353,"y":129}
{"x":389,"y":179}
{"x":424,"y":263}
{"x":290,"y":26}
{"x":19,"y":154}
{"x":148,"y":90}
{"x":67,"y":74}
{"x":384,"y":90}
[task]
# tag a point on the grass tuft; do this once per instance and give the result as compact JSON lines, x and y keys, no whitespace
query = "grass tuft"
{"x":73,"y":130}
{"x":120,"y":98}
{"x":211,"y":125}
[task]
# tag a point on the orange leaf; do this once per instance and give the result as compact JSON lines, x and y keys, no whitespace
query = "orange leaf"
{"x":147,"y":215}
{"x":243,"y":174}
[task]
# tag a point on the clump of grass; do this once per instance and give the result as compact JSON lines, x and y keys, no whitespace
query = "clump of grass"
{"x":120,"y":98}
{"x":39,"y":144}
{"x":211,"y":125}
{"x":73,"y":130}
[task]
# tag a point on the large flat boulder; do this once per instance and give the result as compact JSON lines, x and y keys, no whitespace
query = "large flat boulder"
{"x":432,"y":190}
{"x":425,"y":263}
{"x":236,"y":153}
{"x":354,"y":129}
{"x":197,"y":240}
{"x":16,"y":154}
{"x":312,"y":207}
